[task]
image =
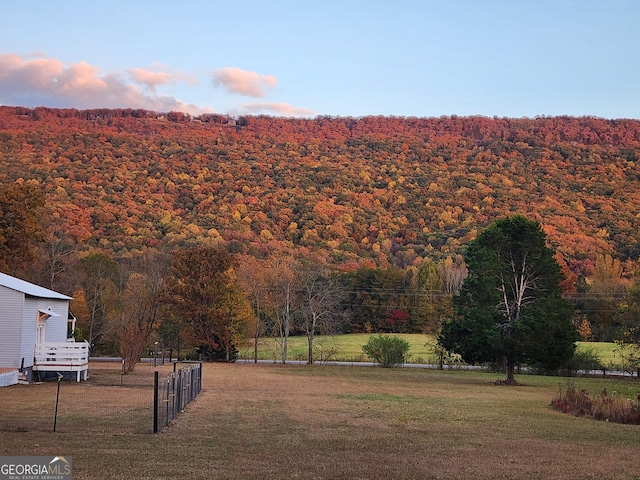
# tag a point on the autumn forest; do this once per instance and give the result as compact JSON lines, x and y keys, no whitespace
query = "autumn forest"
{"x":354,"y":194}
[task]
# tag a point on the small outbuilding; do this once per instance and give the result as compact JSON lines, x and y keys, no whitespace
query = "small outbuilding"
{"x":36,"y":334}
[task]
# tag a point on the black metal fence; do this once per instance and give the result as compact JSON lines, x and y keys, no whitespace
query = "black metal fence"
{"x":108,"y":401}
{"x":173,"y":393}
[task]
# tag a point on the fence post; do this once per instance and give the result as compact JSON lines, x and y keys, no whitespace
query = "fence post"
{"x":194,"y":382}
{"x":183,"y":385}
{"x":155,"y":402}
{"x":168,"y":399}
{"x":179,"y":391}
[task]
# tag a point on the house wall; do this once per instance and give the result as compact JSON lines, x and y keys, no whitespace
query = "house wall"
{"x":11,"y":303}
{"x":56,"y":327}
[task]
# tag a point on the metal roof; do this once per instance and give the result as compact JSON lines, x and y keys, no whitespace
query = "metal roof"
{"x":29,"y":288}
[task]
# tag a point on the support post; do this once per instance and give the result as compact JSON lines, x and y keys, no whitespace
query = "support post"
{"x":55,"y":417}
{"x":155,"y":402}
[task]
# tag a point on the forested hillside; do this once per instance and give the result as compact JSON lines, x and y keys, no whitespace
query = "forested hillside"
{"x":373,"y":191}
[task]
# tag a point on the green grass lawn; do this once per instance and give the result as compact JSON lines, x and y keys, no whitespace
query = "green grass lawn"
{"x":348,"y":348}
{"x":610,"y":354}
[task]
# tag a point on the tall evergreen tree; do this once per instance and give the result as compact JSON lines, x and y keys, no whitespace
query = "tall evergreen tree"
{"x":510,"y":306}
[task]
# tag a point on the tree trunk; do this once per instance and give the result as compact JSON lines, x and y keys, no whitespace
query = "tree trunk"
{"x":511,"y":367}
{"x":255,"y":349}
{"x":257,"y":333}
{"x":310,"y":342}
{"x":286,"y":320}
{"x":285,"y":345}
{"x":255,"y":344}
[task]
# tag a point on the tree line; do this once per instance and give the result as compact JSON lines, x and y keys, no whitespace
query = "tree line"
{"x":207,"y":299}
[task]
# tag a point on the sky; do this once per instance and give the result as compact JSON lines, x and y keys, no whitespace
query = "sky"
{"x":348,"y":58}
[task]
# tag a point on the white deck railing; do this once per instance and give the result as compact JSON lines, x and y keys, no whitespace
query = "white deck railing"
{"x":62,"y":357}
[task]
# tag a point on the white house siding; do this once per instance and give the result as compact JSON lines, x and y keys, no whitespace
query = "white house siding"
{"x":10,"y":331}
{"x":56,"y":327}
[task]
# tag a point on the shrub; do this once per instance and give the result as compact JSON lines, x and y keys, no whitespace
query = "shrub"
{"x":386,"y":350}
{"x":584,"y":360}
{"x":603,"y":407}
{"x":444,"y":357}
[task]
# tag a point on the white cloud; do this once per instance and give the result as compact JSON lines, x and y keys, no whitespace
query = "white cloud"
{"x":236,"y":80}
{"x":42,"y":81}
{"x":277,"y":108}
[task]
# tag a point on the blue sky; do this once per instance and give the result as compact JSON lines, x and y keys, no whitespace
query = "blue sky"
{"x":507,"y":58}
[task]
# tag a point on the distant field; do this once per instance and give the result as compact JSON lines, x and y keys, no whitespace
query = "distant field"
{"x":329,"y":422}
{"x":349,"y":348}
{"x":346,"y":348}
{"x":608,"y":352}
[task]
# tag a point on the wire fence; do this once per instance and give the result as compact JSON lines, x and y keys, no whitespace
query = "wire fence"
{"x":109,"y":401}
{"x":174,"y":393}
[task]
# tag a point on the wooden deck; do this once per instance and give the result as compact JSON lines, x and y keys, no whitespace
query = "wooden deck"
{"x":63,"y":357}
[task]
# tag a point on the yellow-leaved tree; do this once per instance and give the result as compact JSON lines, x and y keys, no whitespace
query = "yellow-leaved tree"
{"x":203,"y":292}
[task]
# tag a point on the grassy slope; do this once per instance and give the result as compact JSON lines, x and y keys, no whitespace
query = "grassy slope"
{"x":313,"y":422}
{"x":349,"y":348}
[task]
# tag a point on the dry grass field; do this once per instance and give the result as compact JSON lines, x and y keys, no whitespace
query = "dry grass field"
{"x":98,"y":405}
{"x":326,"y":422}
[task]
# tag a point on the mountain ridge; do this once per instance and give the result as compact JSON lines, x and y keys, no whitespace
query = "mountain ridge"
{"x":369,"y":191}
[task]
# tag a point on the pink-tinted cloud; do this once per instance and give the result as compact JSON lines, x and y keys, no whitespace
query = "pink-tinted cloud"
{"x":42,"y":81}
{"x":17,"y":74}
{"x":236,"y":80}
{"x":34,"y":81}
{"x":159,"y":76}
{"x":148,"y":78}
{"x":277,"y":108}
